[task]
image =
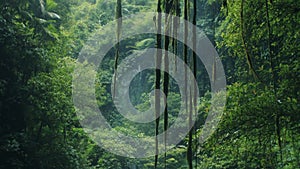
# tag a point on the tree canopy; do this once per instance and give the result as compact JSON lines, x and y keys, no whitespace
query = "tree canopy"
{"x":257,"y":42}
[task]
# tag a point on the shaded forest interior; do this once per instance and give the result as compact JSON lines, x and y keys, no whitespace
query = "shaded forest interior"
{"x":258,"y":43}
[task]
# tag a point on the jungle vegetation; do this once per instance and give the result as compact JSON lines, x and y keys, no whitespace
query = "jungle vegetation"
{"x":258,"y":43}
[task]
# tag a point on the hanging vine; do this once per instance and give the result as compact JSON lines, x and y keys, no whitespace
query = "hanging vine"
{"x":176,"y":22}
{"x":157,"y":79}
{"x":274,"y":78}
{"x":168,"y":6}
{"x":118,"y":35}
{"x":248,"y":57}
{"x":195,"y":74}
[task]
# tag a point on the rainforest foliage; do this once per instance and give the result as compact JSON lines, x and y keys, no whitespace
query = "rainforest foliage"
{"x":258,"y":43}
